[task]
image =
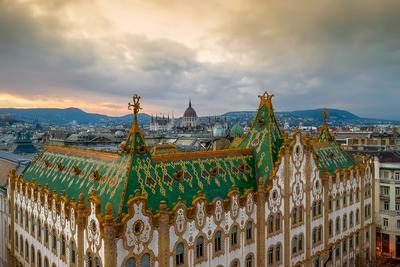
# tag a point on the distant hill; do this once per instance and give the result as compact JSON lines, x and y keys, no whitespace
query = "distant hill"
{"x":312,"y":117}
{"x":305,"y":117}
{"x":66,"y":116}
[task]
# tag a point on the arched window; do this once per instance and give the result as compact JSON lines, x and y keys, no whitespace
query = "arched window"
{"x":26,"y":220}
{"x":97,"y":261}
{"x":39,"y":259}
{"x":294,"y":245}
{"x":73,"y":252}
{"x":46,"y":262}
{"x":21,"y":245}
{"x":199,"y":247}
{"x":357,"y":216}
{"x":131,"y":262}
{"x":54,"y":239}
{"x":46,"y":234}
{"x":16,"y":213}
{"x":344,"y":222}
{"x":26,"y":250}
{"x":249,"y":261}
{"x":316,"y":262}
{"x":319,"y":207}
{"x":62,"y":245}
{"x":300,"y":245}
{"x":234,"y":236}
{"x":235,"y":263}
{"x":32,"y":255}
{"x":271,"y":255}
{"x":294,"y":216}
{"x":89,"y":259}
{"x":314,"y":209}
{"x":314,"y":236}
{"x":351,"y":196}
{"x":337,"y":225}
{"x":145,"y":260}
{"x":330,"y":229}
{"x":21,"y":217}
{"x":320,"y":234}
{"x":351,"y":219}
{"x":180,"y":254}
{"x":217,"y":241}
{"x":301,"y":211}
{"x":278,"y":222}
{"x":278,"y":253}
{"x":270,"y":224}
{"x":32,"y":224}
{"x":16,"y":241}
{"x":249,"y":231}
{"x":39,"y":230}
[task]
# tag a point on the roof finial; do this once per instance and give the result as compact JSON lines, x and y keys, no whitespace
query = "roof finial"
{"x":135,"y":107}
{"x":325,"y":115}
{"x":190,"y":103}
{"x":266,"y":99}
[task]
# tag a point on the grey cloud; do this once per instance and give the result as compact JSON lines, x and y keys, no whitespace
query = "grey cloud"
{"x":330,"y":53}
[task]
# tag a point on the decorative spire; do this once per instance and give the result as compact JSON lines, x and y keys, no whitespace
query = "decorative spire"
{"x":135,"y":107}
{"x":190,"y":103}
{"x":266,"y":99}
{"x":325,"y":115}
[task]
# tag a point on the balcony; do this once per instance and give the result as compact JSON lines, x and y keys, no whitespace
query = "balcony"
{"x":390,"y":212}
{"x":384,"y":196}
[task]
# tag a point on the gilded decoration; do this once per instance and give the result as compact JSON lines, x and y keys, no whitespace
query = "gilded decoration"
{"x":93,"y":229}
{"x":138,"y":229}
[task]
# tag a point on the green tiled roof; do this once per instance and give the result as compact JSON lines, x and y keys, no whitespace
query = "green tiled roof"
{"x":264,"y":138}
{"x":330,"y":155}
{"x":55,"y":168}
{"x":183,"y":175}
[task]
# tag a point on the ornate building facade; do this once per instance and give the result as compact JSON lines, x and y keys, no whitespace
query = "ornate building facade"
{"x":269,"y":200}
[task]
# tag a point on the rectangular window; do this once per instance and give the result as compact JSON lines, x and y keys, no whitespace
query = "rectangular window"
{"x":385,"y":222}
{"x":397,"y":191}
{"x":397,"y":206}
{"x":397,"y":176}
{"x":386,"y":205}
{"x":385,"y":190}
{"x":398,"y":224}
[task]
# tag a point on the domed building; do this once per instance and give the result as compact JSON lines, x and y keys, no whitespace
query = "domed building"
{"x":189,"y":119}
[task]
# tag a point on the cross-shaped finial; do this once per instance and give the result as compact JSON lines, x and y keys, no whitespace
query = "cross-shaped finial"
{"x":135,"y":106}
{"x":265,"y":95}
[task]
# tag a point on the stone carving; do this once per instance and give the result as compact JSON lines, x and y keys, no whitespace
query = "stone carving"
{"x":138,"y":229}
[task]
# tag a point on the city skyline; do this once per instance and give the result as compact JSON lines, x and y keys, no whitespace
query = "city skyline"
{"x":95,"y":55}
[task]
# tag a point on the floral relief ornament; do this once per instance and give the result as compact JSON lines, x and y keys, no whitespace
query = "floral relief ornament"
{"x":274,"y":196}
{"x":218,"y":210}
{"x":235,"y":205}
{"x":297,"y":189}
{"x":249,"y":203}
{"x":180,"y":221}
{"x":93,"y":229}
{"x":138,"y":229}
{"x":200,"y":213}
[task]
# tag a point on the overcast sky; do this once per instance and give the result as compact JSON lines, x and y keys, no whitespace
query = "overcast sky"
{"x":95,"y":54}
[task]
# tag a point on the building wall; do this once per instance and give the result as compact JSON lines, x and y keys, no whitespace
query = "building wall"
{"x":255,"y":227}
{"x":388,"y":207}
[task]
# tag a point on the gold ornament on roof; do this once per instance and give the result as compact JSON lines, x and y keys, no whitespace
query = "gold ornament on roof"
{"x":135,"y":106}
{"x":266,"y":99}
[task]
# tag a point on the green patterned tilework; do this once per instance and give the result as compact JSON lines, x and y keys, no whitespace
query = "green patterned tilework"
{"x":265,"y":139}
{"x":331,"y":156}
{"x":109,"y":185}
